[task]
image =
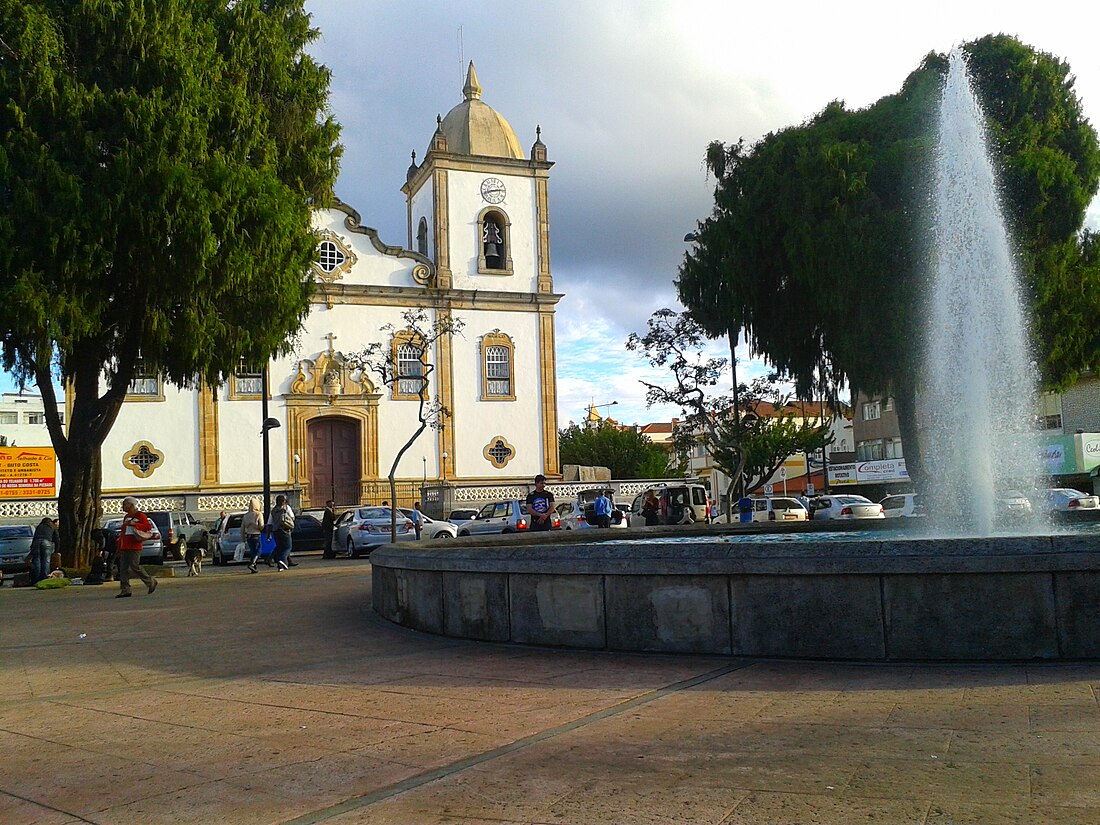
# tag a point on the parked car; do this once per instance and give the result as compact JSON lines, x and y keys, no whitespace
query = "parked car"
{"x":361,"y":530}
{"x":778,"y":508}
{"x":178,"y":531}
{"x":152,"y":549}
{"x":308,"y":534}
{"x":579,"y":514}
{"x":1066,"y":500}
{"x":903,"y":505}
{"x":458,"y":516}
{"x":679,"y":504}
{"x":502,"y":517}
{"x":15,"y":544}
{"x":430,"y":528}
{"x":1012,"y":503}
{"x":845,"y":507}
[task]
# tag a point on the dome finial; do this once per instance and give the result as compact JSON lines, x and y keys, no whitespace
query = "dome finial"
{"x":472,"y":89}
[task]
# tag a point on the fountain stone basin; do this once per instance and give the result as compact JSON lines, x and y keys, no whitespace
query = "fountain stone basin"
{"x":877,"y":599}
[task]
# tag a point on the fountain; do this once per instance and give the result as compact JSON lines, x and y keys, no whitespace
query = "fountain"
{"x":958,"y":594}
{"x":979,"y":385}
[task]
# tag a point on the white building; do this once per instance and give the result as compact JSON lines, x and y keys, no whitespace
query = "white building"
{"x":478,"y":248}
{"x":23,"y":420}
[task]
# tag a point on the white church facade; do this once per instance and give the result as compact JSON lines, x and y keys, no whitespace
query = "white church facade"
{"x":478,"y":249}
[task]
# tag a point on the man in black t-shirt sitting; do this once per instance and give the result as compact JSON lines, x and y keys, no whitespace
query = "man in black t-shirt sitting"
{"x":540,"y":505}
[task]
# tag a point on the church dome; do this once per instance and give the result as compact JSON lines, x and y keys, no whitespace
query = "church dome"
{"x":475,"y":128}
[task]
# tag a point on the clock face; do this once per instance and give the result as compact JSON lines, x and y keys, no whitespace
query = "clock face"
{"x":492,"y":189}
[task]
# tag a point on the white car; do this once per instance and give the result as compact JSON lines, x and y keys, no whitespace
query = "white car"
{"x":1013,"y":503}
{"x":845,"y":507}
{"x":578,"y":514}
{"x":903,"y":505}
{"x":778,"y":508}
{"x":1067,"y":500}
{"x":431,"y":528}
{"x":361,"y":530}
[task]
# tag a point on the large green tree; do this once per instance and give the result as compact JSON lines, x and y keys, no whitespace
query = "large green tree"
{"x":159,"y":162}
{"x":626,"y":452}
{"x":816,"y":246}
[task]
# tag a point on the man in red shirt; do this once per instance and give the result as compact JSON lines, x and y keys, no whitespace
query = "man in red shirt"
{"x":136,"y":527}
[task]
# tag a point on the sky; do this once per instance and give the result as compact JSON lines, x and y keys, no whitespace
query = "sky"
{"x":628,"y":95}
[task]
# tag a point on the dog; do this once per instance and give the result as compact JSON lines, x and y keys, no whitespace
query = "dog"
{"x":194,"y":556}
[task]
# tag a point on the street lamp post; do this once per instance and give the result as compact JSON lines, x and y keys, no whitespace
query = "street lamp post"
{"x":591,"y":408}
{"x":269,"y":424}
{"x":444,"y":466}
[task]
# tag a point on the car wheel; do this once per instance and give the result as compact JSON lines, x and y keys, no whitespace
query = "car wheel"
{"x":353,"y":552}
{"x":464,"y":533}
{"x":217,"y":558}
{"x":442,"y":535}
{"x":159,"y":560}
{"x":506,"y":530}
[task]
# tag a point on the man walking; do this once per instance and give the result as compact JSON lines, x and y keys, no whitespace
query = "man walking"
{"x":328,"y":527}
{"x":417,"y":519}
{"x":280,"y":524}
{"x":136,"y":528}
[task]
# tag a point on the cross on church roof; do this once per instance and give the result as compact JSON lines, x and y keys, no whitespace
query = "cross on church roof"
{"x":330,"y":338}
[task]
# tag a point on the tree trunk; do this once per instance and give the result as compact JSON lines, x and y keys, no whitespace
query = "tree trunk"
{"x":78,"y":502}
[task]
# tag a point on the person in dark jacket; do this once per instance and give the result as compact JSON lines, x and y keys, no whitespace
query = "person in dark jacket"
{"x":328,"y":526}
{"x":42,"y":547}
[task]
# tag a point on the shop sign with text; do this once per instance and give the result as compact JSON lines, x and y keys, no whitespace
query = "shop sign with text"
{"x":27,"y":472}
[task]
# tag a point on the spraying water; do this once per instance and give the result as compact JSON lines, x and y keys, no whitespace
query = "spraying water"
{"x":979,"y":388}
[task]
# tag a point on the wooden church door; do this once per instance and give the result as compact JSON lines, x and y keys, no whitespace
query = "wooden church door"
{"x":334,"y":461}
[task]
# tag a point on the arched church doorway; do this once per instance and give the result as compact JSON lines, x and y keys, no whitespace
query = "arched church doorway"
{"x":334,"y":460}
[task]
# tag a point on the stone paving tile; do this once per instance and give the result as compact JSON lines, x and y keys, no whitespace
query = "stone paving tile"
{"x":212,"y":802}
{"x":1066,"y":785}
{"x":21,"y":812}
{"x":1035,"y":747}
{"x":1064,"y":693}
{"x":959,"y":813}
{"x":1004,"y":717}
{"x":1081,"y":718}
{"x":431,"y":748}
{"x":946,"y":778}
{"x":824,"y":809}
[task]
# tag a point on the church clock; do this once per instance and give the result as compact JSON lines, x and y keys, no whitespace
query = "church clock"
{"x":492,"y":190}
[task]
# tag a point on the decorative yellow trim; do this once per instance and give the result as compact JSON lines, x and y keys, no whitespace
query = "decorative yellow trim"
{"x":442,"y":231}
{"x":404,"y":297}
{"x":549,"y":383}
{"x":143,"y":459}
{"x":496,"y":338}
{"x":499,"y":452}
{"x":343,"y":267}
{"x":331,"y":375}
{"x":209,"y":447}
{"x":505,"y":224}
{"x":300,"y":410}
{"x":542,"y":220}
{"x":436,"y":161}
{"x":402,"y":338}
{"x":445,"y":372}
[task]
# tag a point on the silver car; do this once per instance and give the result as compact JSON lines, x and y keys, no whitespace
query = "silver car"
{"x":360,"y":530}
{"x":430,"y":528}
{"x":846,"y":507}
{"x":503,"y":517}
{"x":15,"y":544}
{"x":1067,"y":500}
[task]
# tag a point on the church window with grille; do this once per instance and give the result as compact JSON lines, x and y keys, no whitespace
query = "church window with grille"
{"x":409,"y":367}
{"x":498,"y":382}
{"x":145,"y":385}
{"x":330,"y":256}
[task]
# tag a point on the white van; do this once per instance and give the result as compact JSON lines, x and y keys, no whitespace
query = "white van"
{"x":680,"y":503}
{"x":778,"y":508}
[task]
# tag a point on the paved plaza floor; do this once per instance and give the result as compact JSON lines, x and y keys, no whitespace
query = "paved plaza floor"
{"x":282,"y":698}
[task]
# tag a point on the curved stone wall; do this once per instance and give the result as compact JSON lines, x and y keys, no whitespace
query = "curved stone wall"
{"x":872,"y":599}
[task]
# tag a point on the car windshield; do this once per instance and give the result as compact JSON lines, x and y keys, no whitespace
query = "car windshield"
{"x":852,"y":500}
{"x":368,"y":513}
{"x":18,"y":532}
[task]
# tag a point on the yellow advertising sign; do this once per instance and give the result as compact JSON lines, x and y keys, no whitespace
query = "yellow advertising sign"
{"x":27,"y":472}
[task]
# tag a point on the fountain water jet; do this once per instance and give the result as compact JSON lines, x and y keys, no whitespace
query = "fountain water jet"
{"x":979,"y":379}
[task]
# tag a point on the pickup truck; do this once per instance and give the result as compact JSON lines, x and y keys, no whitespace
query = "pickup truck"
{"x":179,"y":530}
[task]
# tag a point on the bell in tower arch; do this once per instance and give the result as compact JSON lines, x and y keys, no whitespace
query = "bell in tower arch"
{"x":492,"y":244}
